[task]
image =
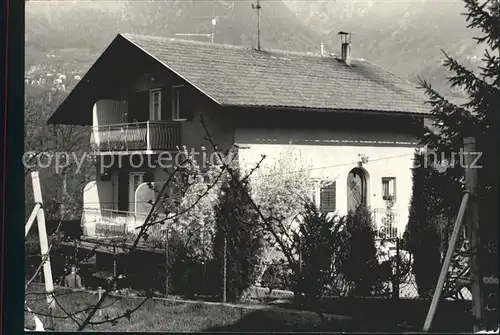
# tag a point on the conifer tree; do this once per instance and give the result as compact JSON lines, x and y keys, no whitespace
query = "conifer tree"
{"x":237,"y":222}
{"x":422,"y":236}
{"x":359,"y":263}
{"x":478,"y":118}
{"x":322,"y":238}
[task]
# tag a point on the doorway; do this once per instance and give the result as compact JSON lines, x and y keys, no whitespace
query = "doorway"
{"x":135,"y":179}
{"x":357,"y":189}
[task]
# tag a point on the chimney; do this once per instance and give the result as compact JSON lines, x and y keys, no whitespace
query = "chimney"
{"x":322,"y":49}
{"x":345,"y":47}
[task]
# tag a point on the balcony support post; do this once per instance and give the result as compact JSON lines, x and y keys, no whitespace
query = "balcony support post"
{"x":148,"y":137}
{"x":126,"y":137}
{"x":108,"y":132}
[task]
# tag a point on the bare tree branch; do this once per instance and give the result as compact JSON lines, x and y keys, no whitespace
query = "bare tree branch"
{"x":264,"y":219}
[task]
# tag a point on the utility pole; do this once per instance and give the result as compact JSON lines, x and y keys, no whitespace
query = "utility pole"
{"x":212,"y":35}
{"x":472,"y":223}
{"x":257,"y":8}
{"x":214,"y":22}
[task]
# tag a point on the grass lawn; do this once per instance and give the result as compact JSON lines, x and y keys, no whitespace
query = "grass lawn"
{"x":156,"y":315}
{"x":152,"y":316}
{"x":182,"y":316}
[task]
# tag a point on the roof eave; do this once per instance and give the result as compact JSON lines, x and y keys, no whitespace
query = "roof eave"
{"x":331,"y":110}
{"x":53,"y":119}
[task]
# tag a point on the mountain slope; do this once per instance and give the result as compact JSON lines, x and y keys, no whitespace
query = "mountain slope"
{"x":53,"y":25}
{"x":405,"y":37}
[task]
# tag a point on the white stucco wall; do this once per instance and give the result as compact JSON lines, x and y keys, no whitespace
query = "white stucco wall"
{"x":332,"y":155}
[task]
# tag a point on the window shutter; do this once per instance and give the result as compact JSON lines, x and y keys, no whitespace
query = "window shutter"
{"x":385,"y":186}
{"x":328,"y":198}
{"x":392,"y":191}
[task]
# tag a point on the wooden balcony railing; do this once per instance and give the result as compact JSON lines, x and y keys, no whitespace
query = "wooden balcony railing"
{"x":138,"y":136}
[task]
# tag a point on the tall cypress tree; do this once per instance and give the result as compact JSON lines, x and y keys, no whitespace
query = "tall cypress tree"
{"x":359,"y":263}
{"x":422,"y":235}
{"x":237,"y":222}
{"x":478,"y":118}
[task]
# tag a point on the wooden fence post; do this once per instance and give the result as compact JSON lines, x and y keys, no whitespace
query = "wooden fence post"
{"x":44,"y":244}
{"x":472,"y":223}
{"x":300,"y":258}
{"x":99,"y":294}
{"x":395,"y":286}
{"x":167,"y":269}
{"x":225,"y":270}
{"x":114,"y":267}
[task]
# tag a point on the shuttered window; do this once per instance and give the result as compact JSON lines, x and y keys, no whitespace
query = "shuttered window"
{"x":328,"y":198}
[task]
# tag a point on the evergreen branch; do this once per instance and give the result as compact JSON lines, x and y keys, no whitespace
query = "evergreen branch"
{"x":488,"y":20}
{"x":466,"y":77}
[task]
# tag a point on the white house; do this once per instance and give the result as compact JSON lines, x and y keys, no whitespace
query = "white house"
{"x":354,"y":122}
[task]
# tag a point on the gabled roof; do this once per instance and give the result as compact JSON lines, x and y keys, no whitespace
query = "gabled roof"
{"x":235,"y":76}
{"x":239,"y":76}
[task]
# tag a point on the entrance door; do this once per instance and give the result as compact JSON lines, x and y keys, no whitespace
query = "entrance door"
{"x":357,"y":184}
{"x":135,"y":179}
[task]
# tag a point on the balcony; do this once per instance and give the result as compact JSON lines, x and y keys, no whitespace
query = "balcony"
{"x":138,"y":136}
{"x":108,"y":224}
{"x":386,"y":223}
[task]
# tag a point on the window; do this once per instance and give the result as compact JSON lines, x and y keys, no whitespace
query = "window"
{"x":327,"y":196}
{"x":388,"y":188}
{"x":312,"y":195}
{"x":177,"y":102}
{"x":137,"y":179}
{"x":155,"y":104}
